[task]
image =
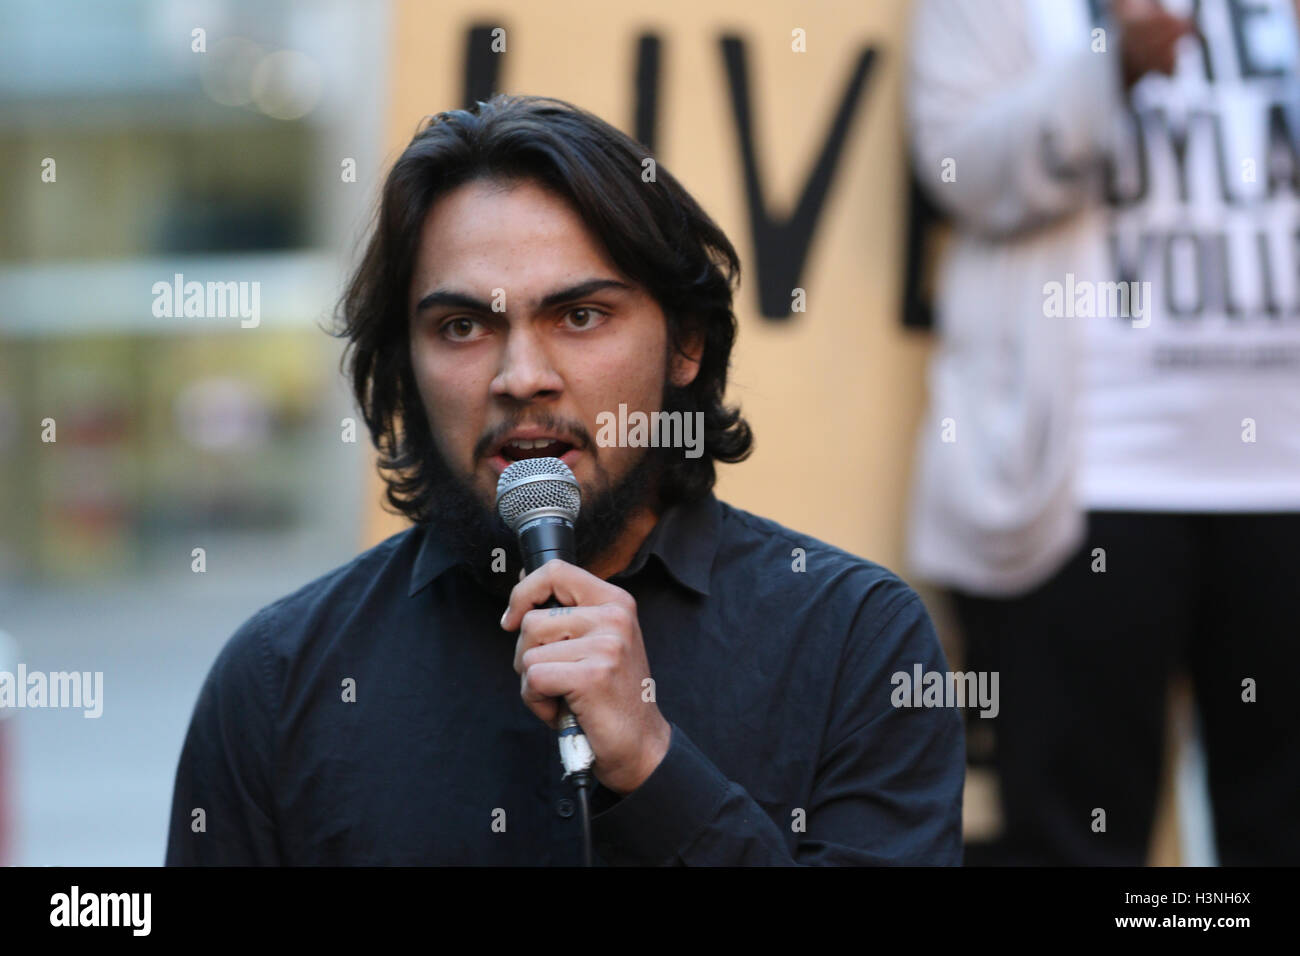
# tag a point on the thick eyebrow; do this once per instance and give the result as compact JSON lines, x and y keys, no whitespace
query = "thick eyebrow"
{"x":571,"y":294}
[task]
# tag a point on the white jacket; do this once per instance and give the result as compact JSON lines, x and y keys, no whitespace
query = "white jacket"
{"x":1012,"y":91}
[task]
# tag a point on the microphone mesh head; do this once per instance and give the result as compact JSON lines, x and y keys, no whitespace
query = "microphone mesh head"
{"x":535,"y":485}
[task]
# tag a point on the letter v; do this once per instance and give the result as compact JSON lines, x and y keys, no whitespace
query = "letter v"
{"x":780,"y":248}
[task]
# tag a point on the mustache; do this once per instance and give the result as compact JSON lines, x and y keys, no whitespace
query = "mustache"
{"x":547,"y":422}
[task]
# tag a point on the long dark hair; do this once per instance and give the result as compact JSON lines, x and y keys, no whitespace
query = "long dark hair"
{"x":652,"y":230}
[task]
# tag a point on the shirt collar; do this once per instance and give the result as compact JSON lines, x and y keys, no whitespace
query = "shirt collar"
{"x":685,"y":539}
{"x":431,"y":561}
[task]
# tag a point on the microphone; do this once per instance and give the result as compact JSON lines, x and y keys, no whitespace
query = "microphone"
{"x":538,"y":499}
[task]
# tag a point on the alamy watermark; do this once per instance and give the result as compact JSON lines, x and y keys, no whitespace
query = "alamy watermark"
{"x":130,"y":910}
{"x":923,"y":688}
{"x":651,"y":430}
{"x":71,"y":689}
{"x":1087,"y":300}
{"x":212,"y":300}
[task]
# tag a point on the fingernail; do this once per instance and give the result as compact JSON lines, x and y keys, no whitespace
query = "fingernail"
{"x":504,"y":615}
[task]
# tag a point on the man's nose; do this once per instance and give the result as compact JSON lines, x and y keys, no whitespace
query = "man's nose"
{"x":526,"y":370}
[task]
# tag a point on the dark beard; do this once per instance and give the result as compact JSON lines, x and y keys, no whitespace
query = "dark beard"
{"x":475,"y":533}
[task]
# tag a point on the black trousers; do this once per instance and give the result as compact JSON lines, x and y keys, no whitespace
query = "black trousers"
{"x":1084,"y":663}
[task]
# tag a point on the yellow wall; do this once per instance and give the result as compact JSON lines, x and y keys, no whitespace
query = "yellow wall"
{"x":833,"y":394}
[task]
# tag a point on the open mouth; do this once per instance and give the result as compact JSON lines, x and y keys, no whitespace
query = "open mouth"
{"x":522,"y":448}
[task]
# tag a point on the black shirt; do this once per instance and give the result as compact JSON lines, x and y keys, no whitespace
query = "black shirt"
{"x":373,"y":717}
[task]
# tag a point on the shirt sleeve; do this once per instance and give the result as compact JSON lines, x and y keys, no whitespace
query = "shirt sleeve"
{"x":222,"y":810}
{"x":888,"y":788}
{"x":1018,"y":134}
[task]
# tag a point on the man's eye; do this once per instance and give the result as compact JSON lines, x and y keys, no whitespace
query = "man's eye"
{"x":459,"y":328}
{"x":585,"y":318}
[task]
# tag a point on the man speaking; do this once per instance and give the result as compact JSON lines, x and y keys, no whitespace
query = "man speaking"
{"x":532,"y":277}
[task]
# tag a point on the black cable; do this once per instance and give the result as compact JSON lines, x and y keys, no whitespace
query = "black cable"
{"x":577,"y":758}
{"x":582,"y":783}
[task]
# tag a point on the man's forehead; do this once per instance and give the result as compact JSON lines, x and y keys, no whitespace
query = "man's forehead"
{"x":532,"y":248}
{"x":480,"y":212}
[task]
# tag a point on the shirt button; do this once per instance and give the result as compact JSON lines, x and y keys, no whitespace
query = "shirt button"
{"x":564,"y":807}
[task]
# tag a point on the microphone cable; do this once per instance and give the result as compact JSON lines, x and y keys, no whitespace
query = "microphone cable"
{"x":582,"y":783}
{"x":577,"y":757}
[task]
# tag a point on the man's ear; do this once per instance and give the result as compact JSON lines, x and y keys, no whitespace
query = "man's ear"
{"x":686,"y":360}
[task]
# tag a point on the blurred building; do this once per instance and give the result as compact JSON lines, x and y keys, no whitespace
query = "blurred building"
{"x":141,"y":141}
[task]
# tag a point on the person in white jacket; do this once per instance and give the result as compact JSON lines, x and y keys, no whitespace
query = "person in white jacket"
{"x":1108,"y":474}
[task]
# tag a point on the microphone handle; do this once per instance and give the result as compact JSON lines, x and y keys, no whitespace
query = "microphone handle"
{"x":575,"y":750}
{"x":540,"y":541}
{"x":564,"y":707}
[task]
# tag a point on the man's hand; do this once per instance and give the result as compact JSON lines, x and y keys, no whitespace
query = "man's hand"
{"x":591,"y":654}
{"x":1148,"y":36}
